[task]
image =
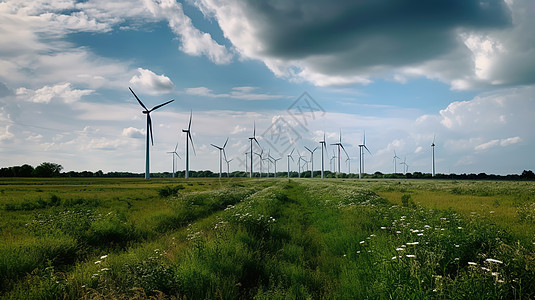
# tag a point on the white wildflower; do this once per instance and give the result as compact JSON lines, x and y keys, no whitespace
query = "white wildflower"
{"x":494,"y":260}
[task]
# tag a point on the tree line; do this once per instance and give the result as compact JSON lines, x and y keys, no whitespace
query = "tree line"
{"x":49,"y":169}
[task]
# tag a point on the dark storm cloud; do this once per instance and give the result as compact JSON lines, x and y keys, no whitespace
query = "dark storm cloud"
{"x":380,"y":32}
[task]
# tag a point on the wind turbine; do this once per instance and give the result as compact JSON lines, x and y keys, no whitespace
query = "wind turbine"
{"x":339,"y":144}
{"x":228,"y":165}
{"x":332,"y":162}
{"x":251,"y":140}
{"x":433,"y":148}
{"x":395,"y":161}
{"x":149,"y":130}
{"x":323,"y":145}
{"x":268,"y":161}
{"x":173,"y":153}
{"x":348,"y":160}
{"x":221,"y":150}
{"x":362,"y":147}
{"x":290,"y":156}
{"x":275,"y":160}
{"x":259,"y":157}
{"x":188,"y":139}
{"x":299,"y":163}
{"x":311,"y":160}
{"x":405,"y":166}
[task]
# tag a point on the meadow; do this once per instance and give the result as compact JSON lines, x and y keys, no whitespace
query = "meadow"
{"x":271,"y":238}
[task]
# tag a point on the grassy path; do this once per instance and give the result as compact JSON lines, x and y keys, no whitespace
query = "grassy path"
{"x":305,"y":239}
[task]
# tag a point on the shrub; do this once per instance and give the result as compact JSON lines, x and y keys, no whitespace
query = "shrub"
{"x":167,"y":191}
{"x":405,"y":199}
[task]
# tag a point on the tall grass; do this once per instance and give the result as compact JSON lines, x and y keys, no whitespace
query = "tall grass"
{"x":272,"y":239}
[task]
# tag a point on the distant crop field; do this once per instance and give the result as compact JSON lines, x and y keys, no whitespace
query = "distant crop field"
{"x":266,"y":238}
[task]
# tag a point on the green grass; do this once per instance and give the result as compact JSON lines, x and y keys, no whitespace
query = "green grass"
{"x":266,"y":239}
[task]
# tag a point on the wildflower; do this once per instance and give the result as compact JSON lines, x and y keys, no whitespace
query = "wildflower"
{"x":410,"y":255}
{"x":394,"y":257}
{"x":459,"y":227}
{"x":382,"y":227}
{"x":456,"y":246}
{"x":104,"y":256}
{"x":98,"y":262}
{"x":471,"y":263}
{"x":413,"y":243}
{"x":361,"y":242}
{"x":494,"y":260}
{"x":400,"y":249}
{"x":105,"y":269}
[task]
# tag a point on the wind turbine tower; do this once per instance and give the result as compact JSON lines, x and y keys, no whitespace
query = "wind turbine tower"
{"x":340,"y":145}
{"x":323,"y":145}
{"x":188,"y":139}
{"x":221,"y":150}
{"x":433,"y":150}
{"x":396,"y":157}
{"x":149,"y":130}
{"x":251,"y":152}
{"x":311,"y":160}
{"x":173,"y":153}
{"x":290,"y":156}
{"x":361,"y":159}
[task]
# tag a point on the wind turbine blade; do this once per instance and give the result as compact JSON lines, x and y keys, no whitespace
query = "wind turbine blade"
{"x":141,"y":103}
{"x":225,"y":144}
{"x":215,"y":146}
{"x":308,"y":149}
{"x":315,"y":149}
{"x":178,"y":155}
{"x":254,"y":129}
{"x":364,"y":139}
{"x":344,"y":150}
{"x":257,"y":142}
{"x":433,"y":139}
{"x":158,"y":106}
{"x":149,"y":120}
{"x":191,"y":140}
{"x":189,"y":124}
{"x":367,"y":149}
{"x":176,"y":147}
{"x":292,"y":151}
{"x":225,"y":154}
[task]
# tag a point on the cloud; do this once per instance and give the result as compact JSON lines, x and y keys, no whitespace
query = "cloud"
{"x":466,"y":43}
{"x":132,"y":132}
{"x":151,"y":82}
{"x":242,"y":93}
{"x":47,"y":93}
{"x":238,"y":129}
{"x":6,"y":135}
{"x":193,"y":41}
{"x":495,"y":143}
{"x":499,"y":111}
{"x":35,"y":53}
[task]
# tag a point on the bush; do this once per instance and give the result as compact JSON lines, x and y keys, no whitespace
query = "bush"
{"x":168,"y":191}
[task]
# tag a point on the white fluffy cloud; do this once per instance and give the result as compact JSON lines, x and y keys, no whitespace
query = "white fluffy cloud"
{"x":151,"y":82}
{"x":47,"y":93}
{"x":501,"y":142}
{"x":132,"y":132}
{"x":193,"y":41}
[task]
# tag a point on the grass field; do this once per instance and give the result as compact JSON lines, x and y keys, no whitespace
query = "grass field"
{"x":266,"y":239}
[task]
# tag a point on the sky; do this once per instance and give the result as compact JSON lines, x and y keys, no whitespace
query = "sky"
{"x":399,"y":73}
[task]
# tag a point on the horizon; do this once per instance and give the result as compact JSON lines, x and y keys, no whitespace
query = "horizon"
{"x":401,"y":73}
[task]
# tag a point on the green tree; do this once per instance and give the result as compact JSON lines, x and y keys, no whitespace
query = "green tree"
{"x":47,"y":169}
